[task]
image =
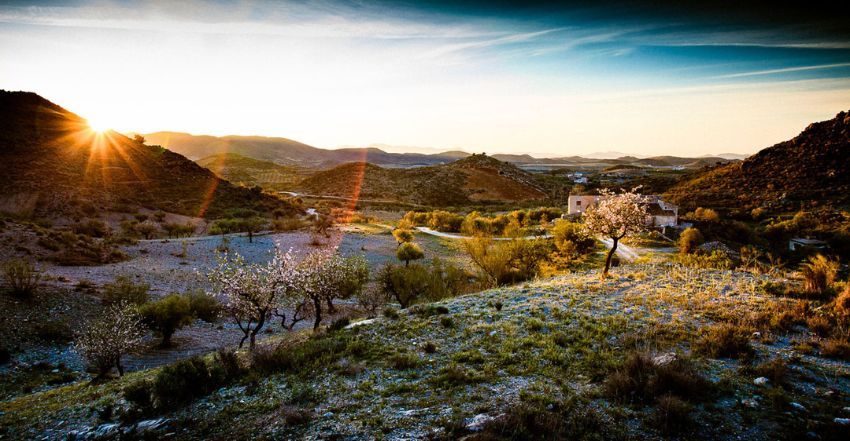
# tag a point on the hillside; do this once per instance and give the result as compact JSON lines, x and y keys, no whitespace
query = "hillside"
{"x":569,"y":358}
{"x":288,"y":152}
{"x":475,"y":178}
{"x":242,"y":170}
{"x":813,"y":167}
{"x":52,"y":163}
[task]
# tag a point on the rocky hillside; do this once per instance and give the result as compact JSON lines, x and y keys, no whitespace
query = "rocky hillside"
{"x":656,"y":352}
{"x":813,"y":167}
{"x":477,"y":178}
{"x":51,"y":162}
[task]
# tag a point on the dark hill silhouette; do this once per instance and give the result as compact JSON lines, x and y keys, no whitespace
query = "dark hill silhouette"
{"x":50,"y":162}
{"x":813,"y":167}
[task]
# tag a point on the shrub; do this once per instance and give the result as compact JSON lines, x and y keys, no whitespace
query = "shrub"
{"x":167,"y":315}
{"x":123,"y":290}
{"x":339,"y":324}
{"x":229,"y":363}
{"x":204,"y":306}
{"x":92,"y":227}
{"x":725,"y":340}
{"x":703,"y":215}
{"x":818,"y":274}
{"x":775,"y":370}
{"x":183,"y":381}
{"x":842,"y":304}
{"x":570,"y":419}
{"x":429,"y":347}
{"x":21,"y":277}
{"x":407,"y":284}
{"x":404,"y":361}
{"x":139,"y":395}
{"x":835,"y":348}
{"x":571,"y":239}
{"x":689,"y":240}
{"x":716,"y":260}
{"x":642,"y":379}
{"x":371,"y":299}
{"x":402,"y":235}
{"x":288,"y":224}
{"x":147,"y":229}
{"x":53,"y":331}
{"x":409,"y":251}
{"x":672,"y":414}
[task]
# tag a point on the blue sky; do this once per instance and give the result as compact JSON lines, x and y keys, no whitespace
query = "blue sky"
{"x":480,"y":76}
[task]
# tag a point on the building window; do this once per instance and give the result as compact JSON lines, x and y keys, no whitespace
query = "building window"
{"x":578,"y":203}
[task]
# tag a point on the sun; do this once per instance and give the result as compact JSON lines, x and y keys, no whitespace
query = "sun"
{"x":98,"y":126}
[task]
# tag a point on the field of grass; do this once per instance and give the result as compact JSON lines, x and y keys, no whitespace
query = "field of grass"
{"x":477,"y":362}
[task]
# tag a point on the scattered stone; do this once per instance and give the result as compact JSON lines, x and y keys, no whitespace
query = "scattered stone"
{"x":760,"y":381}
{"x":750,"y":402}
{"x":798,"y":407}
{"x":756,"y":334}
{"x":476,"y":423}
{"x":842,"y":421}
{"x":664,"y":359}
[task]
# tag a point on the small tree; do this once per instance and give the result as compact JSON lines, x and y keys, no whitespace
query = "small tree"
{"x":689,"y":240}
{"x":406,"y":284}
{"x":571,"y":238}
{"x":325,"y":277}
{"x":402,"y":236}
{"x":494,"y":260}
{"x":147,"y":229}
{"x":616,"y":216}
{"x":409,"y":251}
{"x":106,"y":339}
{"x":167,"y":315}
{"x":253,"y":291}
{"x":254,"y":225}
{"x":123,"y":290}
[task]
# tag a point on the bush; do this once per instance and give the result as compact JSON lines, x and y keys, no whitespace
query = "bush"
{"x":288,"y":224}
{"x":842,"y":304}
{"x":818,"y":274}
{"x":339,"y":324}
{"x":672,"y":414}
{"x":123,"y":290}
{"x":404,"y":361}
{"x":689,"y":240}
{"x":716,"y":260}
{"x":167,"y":315}
{"x":409,"y":251}
{"x":402,"y":235}
{"x":92,"y":227}
{"x":21,"y":277}
{"x":204,"y":306}
{"x":725,"y":340}
{"x":372,"y":300}
{"x":835,"y":348}
{"x":641,"y":379}
{"x":53,"y":331}
{"x":571,"y":239}
{"x":184,"y":381}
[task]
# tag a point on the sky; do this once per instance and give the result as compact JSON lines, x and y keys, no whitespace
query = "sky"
{"x":637,"y":77}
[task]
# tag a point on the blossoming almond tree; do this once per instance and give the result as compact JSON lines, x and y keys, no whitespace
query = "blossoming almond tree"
{"x":109,"y":337}
{"x":616,"y":216}
{"x":254,"y":291}
{"x":325,"y":276}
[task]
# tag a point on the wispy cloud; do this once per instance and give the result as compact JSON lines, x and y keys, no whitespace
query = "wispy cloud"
{"x":783,"y":70}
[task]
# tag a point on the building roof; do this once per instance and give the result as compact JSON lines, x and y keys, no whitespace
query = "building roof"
{"x":805,"y":241}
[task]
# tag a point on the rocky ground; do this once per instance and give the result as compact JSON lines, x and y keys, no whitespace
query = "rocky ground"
{"x":452,"y":367}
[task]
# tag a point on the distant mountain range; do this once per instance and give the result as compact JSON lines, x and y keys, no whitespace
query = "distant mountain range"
{"x":811,"y":169}
{"x":285,"y":151}
{"x":52,"y":163}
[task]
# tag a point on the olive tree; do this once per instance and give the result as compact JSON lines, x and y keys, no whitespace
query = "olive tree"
{"x":616,"y":216}
{"x":110,"y":336}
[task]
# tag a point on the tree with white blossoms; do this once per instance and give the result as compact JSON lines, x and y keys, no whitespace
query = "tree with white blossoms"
{"x":109,"y":337}
{"x":254,"y":291}
{"x":616,"y":216}
{"x":322,"y":279}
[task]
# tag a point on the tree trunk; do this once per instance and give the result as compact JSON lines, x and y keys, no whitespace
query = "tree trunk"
{"x":259,"y":325}
{"x":610,"y":255}
{"x":119,"y":366}
{"x":317,"y":304}
{"x":331,"y":308}
{"x":166,"y":340}
{"x":250,"y":237}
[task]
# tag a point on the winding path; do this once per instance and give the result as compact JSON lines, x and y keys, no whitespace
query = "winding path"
{"x":427,"y":230}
